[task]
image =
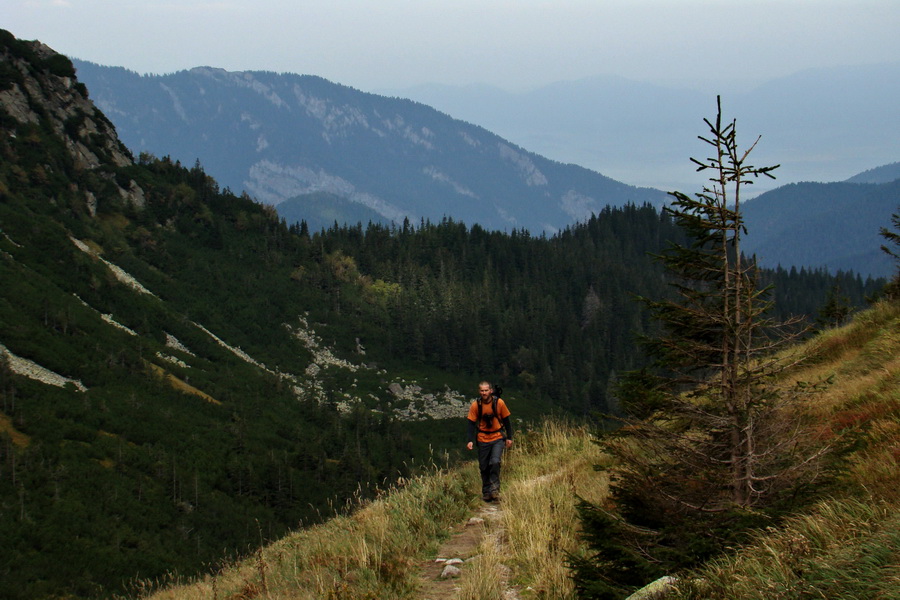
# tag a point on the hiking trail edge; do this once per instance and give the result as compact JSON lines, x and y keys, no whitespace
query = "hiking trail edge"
{"x":456,"y":552}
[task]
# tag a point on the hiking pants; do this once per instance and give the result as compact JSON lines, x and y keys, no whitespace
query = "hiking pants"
{"x":489,"y":462}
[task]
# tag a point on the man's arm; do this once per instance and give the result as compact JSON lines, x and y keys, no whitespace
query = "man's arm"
{"x":472,"y":433}
{"x":507,"y":423}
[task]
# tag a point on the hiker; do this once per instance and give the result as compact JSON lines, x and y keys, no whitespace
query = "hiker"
{"x":488,"y":417}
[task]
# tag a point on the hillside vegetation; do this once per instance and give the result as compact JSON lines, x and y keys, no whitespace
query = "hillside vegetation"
{"x":844,"y":545}
{"x":378,"y":550}
{"x":847,"y":545}
{"x":184,"y":377}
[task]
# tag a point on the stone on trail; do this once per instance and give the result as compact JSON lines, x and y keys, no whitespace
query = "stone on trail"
{"x":450,"y":571}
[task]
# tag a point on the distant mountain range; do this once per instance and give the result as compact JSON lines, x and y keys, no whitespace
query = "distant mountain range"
{"x":326,"y":153}
{"x":819,"y":124}
{"x":284,"y":137}
{"x":883,"y":174}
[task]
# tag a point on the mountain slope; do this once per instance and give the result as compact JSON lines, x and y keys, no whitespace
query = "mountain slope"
{"x":164,"y":401}
{"x":815,"y":225}
{"x":279,"y":136}
{"x":840,"y":544}
{"x":183,"y":376}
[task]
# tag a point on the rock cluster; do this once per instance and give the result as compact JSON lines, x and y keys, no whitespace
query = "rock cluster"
{"x":32,"y":370}
{"x":449,"y":404}
{"x":453,"y":566}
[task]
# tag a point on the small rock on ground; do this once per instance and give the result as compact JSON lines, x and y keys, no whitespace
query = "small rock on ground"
{"x":450,"y":571}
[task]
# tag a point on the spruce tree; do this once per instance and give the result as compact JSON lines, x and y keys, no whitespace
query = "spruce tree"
{"x":708,"y":439}
{"x":892,"y":290}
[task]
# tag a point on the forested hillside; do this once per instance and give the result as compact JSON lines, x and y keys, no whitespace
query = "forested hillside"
{"x":183,"y":375}
{"x":837,"y":539}
{"x":823,"y":225}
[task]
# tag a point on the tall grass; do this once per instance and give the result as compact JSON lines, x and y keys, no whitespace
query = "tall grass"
{"x":549,"y":468}
{"x":376,"y":551}
{"x":844,"y":549}
{"x":369,"y":554}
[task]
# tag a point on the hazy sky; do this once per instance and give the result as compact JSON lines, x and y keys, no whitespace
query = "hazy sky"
{"x":377,"y":44}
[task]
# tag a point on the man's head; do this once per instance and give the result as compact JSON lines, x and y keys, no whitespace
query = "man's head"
{"x":485,"y":390}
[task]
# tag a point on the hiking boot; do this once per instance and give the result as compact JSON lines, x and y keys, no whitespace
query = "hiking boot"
{"x":488,"y":497}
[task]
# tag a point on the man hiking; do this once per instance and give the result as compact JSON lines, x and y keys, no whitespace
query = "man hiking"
{"x":488,"y":417}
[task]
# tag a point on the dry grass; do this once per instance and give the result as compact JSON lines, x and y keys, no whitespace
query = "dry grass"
{"x":375,"y":552}
{"x":15,"y":436}
{"x":366,"y":555}
{"x":847,"y":547}
{"x":525,"y":556}
{"x":844,"y":549}
{"x":179,"y":384}
{"x":487,"y":574}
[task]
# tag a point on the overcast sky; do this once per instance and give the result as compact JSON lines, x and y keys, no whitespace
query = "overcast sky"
{"x":517,"y":45}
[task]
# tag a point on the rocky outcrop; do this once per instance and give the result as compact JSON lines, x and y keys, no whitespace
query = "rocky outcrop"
{"x":38,"y":87}
{"x":417,"y":405}
{"x":32,"y":370}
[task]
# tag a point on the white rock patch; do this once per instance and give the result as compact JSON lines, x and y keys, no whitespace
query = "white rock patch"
{"x":32,"y":370}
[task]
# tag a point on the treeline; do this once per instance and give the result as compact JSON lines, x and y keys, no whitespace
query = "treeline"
{"x":553,"y":317}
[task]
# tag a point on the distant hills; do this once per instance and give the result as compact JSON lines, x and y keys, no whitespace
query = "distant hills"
{"x":819,"y":124}
{"x":883,"y":174}
{"x":281,"y":137}
{"x":326,"y":153}
{"x":832,"y":225}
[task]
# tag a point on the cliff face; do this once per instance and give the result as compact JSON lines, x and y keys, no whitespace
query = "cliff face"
{"x":38,"y":88}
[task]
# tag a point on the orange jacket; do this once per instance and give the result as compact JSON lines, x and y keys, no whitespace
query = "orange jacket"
{"x":491,"y":426}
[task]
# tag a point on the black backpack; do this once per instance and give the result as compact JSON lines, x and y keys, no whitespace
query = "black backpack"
{"x":486,"y":421}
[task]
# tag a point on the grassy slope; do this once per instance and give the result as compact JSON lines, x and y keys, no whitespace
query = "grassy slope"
{"x":374,"y":553}
{"x":846,"y":546}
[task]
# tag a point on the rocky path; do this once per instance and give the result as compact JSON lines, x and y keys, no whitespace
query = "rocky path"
{"x":441,"y":576}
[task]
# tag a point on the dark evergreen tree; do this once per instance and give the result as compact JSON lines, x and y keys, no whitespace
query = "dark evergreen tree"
{"x":892,"y":290}
{"x":836,"y":309}
{"x":708,"y":438}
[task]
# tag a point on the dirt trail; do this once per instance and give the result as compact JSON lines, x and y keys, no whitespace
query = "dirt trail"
{"x":463,"y":544}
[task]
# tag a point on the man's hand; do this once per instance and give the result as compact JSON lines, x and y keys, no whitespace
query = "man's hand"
{"x":509,"y":443}
{"x":470,"y":445}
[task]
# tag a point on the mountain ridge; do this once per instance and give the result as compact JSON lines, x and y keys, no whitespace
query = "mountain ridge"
{"x":833,"y":225}
{"x":284,"y":136}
